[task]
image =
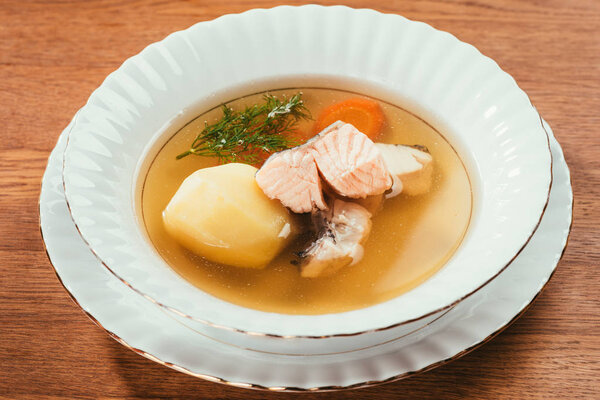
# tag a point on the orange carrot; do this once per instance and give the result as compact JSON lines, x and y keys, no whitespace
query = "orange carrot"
{"x":364,"y":114}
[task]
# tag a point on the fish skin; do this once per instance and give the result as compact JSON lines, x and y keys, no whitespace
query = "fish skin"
{"x":341,"y":232}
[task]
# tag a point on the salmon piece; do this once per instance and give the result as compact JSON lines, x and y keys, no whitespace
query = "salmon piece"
{"x":411,"y":168}
{"x":350,"y":162}
{"x":341,"y":231}
{"x":346,"y":159}
{"x":291,"y":176}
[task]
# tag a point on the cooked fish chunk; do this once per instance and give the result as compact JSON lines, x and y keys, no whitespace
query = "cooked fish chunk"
{"x":341,"y":232}
{"x":350,"y":162}
{"x":292,"y":177}
{"x":411,"y":168}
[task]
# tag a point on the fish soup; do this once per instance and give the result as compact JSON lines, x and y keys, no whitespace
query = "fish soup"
{"x":316,"y":248}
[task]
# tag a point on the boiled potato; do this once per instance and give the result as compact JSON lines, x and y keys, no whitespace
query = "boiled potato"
{"x":220,"y":213}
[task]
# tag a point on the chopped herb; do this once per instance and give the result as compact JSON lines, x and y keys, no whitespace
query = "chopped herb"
{"x":243,"y":136}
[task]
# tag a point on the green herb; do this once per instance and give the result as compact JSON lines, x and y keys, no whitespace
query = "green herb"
{"x":243,"y":135}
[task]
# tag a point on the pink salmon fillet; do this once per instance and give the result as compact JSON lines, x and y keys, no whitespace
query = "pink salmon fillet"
{"x":346,"y":159}
{"x":292,"y":177}
{"x":351,"y":163}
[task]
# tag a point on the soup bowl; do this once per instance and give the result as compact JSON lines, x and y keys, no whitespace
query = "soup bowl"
{"x":478,"y":107}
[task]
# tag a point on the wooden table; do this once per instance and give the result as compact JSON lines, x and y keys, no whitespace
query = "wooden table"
{"x":54,"y":53}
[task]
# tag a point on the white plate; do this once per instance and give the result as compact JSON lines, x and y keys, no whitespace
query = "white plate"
{"x":150,"y":331}
{"x":478,"y":107}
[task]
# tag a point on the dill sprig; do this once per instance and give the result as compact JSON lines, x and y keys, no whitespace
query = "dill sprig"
{"x":241,"y":136}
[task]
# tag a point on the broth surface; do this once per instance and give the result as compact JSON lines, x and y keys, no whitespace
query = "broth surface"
{"x":411,"y":238}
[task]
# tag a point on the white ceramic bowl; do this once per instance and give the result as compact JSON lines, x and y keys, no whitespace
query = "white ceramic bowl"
{"x":465,"y":95}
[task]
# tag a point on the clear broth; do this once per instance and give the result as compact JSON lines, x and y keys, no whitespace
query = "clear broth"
{"x":411,"y":238}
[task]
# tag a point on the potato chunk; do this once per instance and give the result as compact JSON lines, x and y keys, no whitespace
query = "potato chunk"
{"x":220,"y":213}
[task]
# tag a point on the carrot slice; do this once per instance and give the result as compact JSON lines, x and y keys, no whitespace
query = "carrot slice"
{"x":364,"y":114}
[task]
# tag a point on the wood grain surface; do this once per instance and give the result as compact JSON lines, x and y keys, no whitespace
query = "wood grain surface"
{"x":54,"y":53}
